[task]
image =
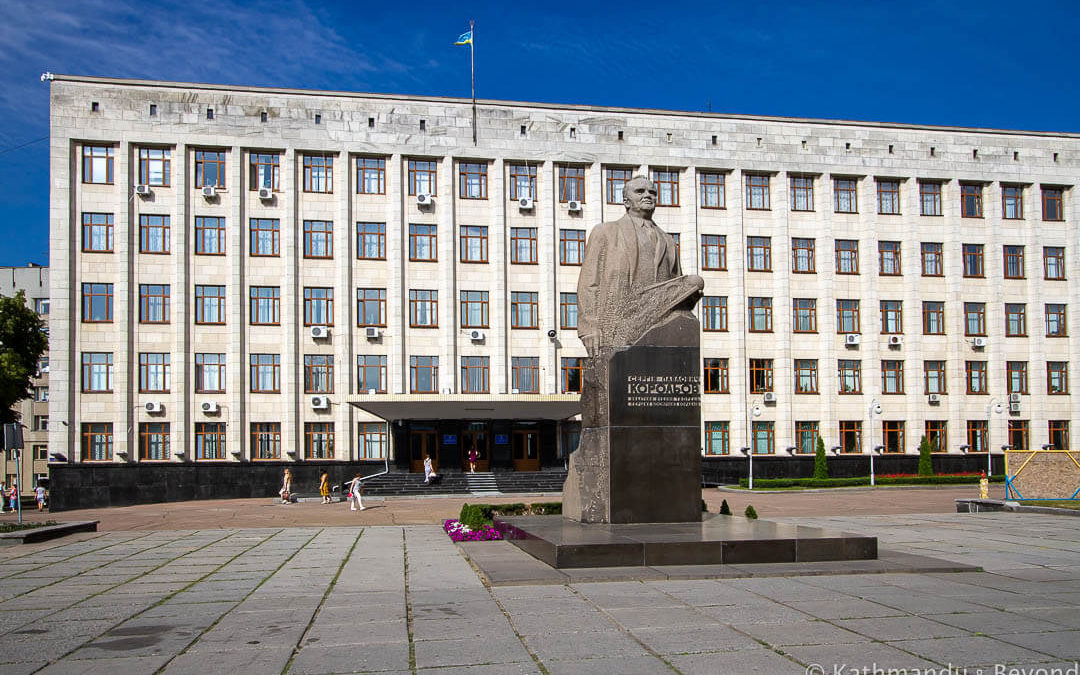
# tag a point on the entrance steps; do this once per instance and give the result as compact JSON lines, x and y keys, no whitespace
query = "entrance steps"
{"x":482,"y":483}
{"x":455,"y":482}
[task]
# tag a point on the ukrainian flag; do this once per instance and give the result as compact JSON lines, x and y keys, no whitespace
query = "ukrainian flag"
{"x":464,"y":39}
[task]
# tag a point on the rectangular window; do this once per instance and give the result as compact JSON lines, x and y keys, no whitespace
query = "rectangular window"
{"x":154,"y":167}
{"x":154,"y":303}
{"x":264,"y":171}
{"x":568,"y":311}
{"x":1051,"y":204}
{"x":976,"y":436}
{"x":97,"y":372}
{"x":318,"y":306}
{"x":318,"y":173}
{"x":97,"y":233}
{"x":804,"y":312}
{"x":761,"y":376}
{"x":265,"y":305}
{"x":892,"y":432}
{"x":1019,"y":434}
{"x":474,"y":309}
{"x":1014,"y":262}
{"x":975,"y":319}
{"x":716,"y":376}
{"x":667,"y":187}
{"x":971,"y":200}
{"x":806,"y":436}
{"x":712,"y":190}
{"x":97,"y":441}
{"x":209,"y":373}
{"x":934,"y":377}
{"x":41,"y":394}
{"x":371,"y":307}
{"x":806,"y":376}
{"x":472,"y":183}
{"x":933,"y":313}
{"x":849,"y":375}
{"x":717,"y":438}
{"x":319,"y":239}
{"x":422,"y":177}
{"x":850,"y":436}
{"x":97,"y":164}
{"x":764,"y":441}
{"x":713,"y":252}
{"x":760,"y":310}
{"x":97,"y":303}
{"x":318,"y":440}
{"x":714,"y":315}
{"x":976,"y":377}
{"x":154,"y":373}
{"x":424,"y":309}
{"x":759,"y":254}
{"x":371,"y":175}
{"x":1015,"y":319}
{"x":209,"y":235}
{"x":802,"y":193}
{"x":373,"y":440}
{"x":318,"y":374}
{"x":265,"y":373}
{"x":889,"y":258}
{"x":153,"y":441}
{"x":616,"y":183}
{"x":930,"y":198}
{"x":572,"y":369}
{"x":523,"y":245}
{"x":522,"y":182}
{"x":371,"y":241}
{"x":973,"y":261}
{"x":847,"y":317}
{"x":571,"y":184}
{"x":41,"y":423}
{"x":888,"y":197}
{"x":474,"y":244}
{"x":209,"y":168}
{"x":1054,"y":263}
{"x":802,"y":256}
{"x":524,"y":310}
{"x":571,"y":247}
{"x":1012,"y":202}
{"x":892,"y":317}
{"x":265,"y":237}
{"x":933,"y":259}
{"x":266,"y":440}
{"x":371,"y":373}
{"x":847,"y":256}
{"x":1057,"y":377}
{"x":757,"y":192}
{"x":1016,"y":377}
{"x":1058,"y":434}
{"x":525,"y":374}
{"x":1056,"y":325}
{"x":423,"y":243}
{"x":153,"y":234}
{"x":475,"y":375}
{"x":846,"y":195}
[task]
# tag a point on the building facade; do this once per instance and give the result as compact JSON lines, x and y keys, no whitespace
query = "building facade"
{"x":33,"y":280}
{"x":245,"y":274}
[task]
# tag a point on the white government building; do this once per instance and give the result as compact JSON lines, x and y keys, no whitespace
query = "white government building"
{"x":246,"y":274}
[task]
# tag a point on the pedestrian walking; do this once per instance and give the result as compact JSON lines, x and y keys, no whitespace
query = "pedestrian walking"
{"x":473,"y":456}
{"x":429,"y":471}
{"x":13,"y":497}
{"x":324,"y":487}
{"x":286,"y":487}
{"x":40,"y":494}
{"x":356,"y":489}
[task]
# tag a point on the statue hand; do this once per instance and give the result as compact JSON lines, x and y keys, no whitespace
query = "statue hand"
{"x":592,"y":344}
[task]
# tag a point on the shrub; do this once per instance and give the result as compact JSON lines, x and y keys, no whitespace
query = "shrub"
{"x":821,"y":463}
{"x":909,"y":479}
{"x":546,"y":508}
{"x":750,"y":512}
{"x":725,"y":510}
{"x":515,"y":509}
{"x":926,"y":465}
{"x":472,"y":516}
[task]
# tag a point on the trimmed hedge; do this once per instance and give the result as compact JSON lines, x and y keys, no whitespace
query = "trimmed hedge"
{"x":475,"y":516}
{"x":865,"y":480}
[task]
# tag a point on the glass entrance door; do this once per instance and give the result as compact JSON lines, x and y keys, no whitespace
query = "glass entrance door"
{"x":526,"y":450}
{"x":422,"y":442}
{"x":475,"y":436}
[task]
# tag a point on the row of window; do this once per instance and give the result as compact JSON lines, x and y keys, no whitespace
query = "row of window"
{"x":210,"y":441}
{"x":849,"y":376}
{"x":264,"y":171}
{"x":893,"y":436}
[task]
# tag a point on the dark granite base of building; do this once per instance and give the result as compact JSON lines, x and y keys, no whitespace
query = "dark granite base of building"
{"x":716,"y":540}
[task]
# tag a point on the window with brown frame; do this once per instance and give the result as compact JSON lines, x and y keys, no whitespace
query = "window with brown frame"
{"x":761,"y":376}
{"x":423,"y":177}
{"x":714,"y":315}
{"x":371,"y":175}
{"x":1058,"y":434}
{"x":716,"y":376}
{"x":930,"y":198}
{"x":888,"y":197}
{"x":760,"y":314}
{"x":474,"y":244}
{"x":847,"y":316}
{"x":1016,"y":377}
{"x":892,"y":317}
{"x":973,"y":261}
{"x":1014,"y":262}
{"x":153,"y":234}
{"x":423,"y":309}
{"x":802,"y":193}
{"x":371,"y":373}
{"x":757,"y":192}
{"x":265,"y":306}
{"x":524,"y":310}
{"x":616,"y":180}
{"x":97,"y":441}
{"x":423,"y":243}
{"x":975,"y":376}
{"x":210,"y":168}
{"x":264,"y":171}
{"x":522,"y":182}
{"x":523,"y":246}
{"x":154,"y":301}
{"x":318,"y":306}
{"x":209,"y":373}
{"x":892,"y":436}
{"x":318,"y":173}
{"x":806,"y":437}
{"x":265,"y":440}
{"x":154,"y":375}
{"x":97,"y":233}
{"x":889,"y":258}
{"x":1056,"y":324}
{"x":474,"y":375}
{"x":850,"y":436}
{"x":1019,"y":434}
{"x":97,"y":303}
{"x":1054,"y":263}
{"x":153,"y":441}
{"x":371,"y":241}
{"x":525,"y":374}
{"x":568,"y":311}
{"x":667,"y":187}
{"x":370,"y":307}
{"x":265,"y":373}
{"x":847,"y":256}
{"x":763,"y":438}
{"x":934,"y":377}
{"x":154,"y":165}
{"x":373,"y":440}
{"x":845,"y":195}
{"x":209,"y":441}
{"x":209,"y":235}
{"x":759,"y":254}
{"x":424,"y":374}
{"x":1057,"y":377}
{"x":806,"y":376}
{"x":977,"y":437}
{"x":933,"y":259}
{"x":802,"y":256}
{"x":712,"y":190}
{"x":318,"y":440}
{"x":319,"y":239}
{"x":97,"y":164}
{"x":933,"y":317}
{"x":571,"y":184}
{"x":1015,"y":319}
{"x":1051,"y":204}
{"x":473,"y":180}
{"x":804,"y":315}
{"x":97,"y":372}
{"x":571,"y":247}
{"x":1012,"y":202}
{"x":209,"y":304}
{"x":849,"y":376}
{"x":572,"y":369}
{"x":318,"y":374}
{"x":971,"y":200}
{"x":713,"y":252}
{"x":474,"y":309}
{"x":717,"y":438}
{"x":265,"y":237}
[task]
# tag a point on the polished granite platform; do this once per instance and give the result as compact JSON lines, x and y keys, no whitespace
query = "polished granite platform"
{"x":716,"y":540}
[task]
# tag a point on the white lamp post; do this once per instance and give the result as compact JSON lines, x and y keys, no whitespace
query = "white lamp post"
{"x":875,"y":409}
{"x":746,"y":451}
{"x":997,"y":408}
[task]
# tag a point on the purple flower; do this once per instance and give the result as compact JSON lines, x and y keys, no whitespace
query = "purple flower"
{"x":459,"y":532}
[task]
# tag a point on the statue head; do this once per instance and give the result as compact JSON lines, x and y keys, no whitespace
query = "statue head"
{"x":639,"y":197}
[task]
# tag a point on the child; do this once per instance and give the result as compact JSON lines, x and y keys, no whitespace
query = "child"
{"x":39,"y":493}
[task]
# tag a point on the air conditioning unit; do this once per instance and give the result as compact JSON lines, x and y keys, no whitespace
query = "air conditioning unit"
{"x":769,"y":397}
{"x":210,"y":407}
{"x":372,"y":333}
{"x":209,"y":191}
{"x":934,"y":398}
{"x":372,"y":392}
{"x":1014,"y":398}
{"x":574,"y":206}
{"x":515,"y":391}
{"x":525,"y":204}
{"x":978,"y":343}
{"x":45,"y":369}
{"x":476,"y":335}
{"x":266,"y":193}
{"x":142,"y":189}
{"x":154,"y":406}
{"x":319,"y":332}
{"x":425,"y":199}
{"x":851,"y":339}
{"x":895,"y":340}
{"x":1014,"y":407}
{"x":320,"y":402}
{"x":447,"y":390}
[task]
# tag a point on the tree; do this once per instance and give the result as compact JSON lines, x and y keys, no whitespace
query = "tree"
{"x":821,"y":464}
{"x":926,"y":465}
{"x":22,"y":342}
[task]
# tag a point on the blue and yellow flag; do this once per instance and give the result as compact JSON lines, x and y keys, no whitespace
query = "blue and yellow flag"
{"x":464,"y":39}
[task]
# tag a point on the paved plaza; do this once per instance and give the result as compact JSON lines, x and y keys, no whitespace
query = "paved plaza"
{"x":404,"y":599}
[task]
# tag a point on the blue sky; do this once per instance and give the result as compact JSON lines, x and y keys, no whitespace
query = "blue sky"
{"x":988,"y":64}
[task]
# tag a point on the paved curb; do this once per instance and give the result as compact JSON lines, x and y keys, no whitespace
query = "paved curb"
{"x":992,"y":505}
{"x":47,"y":532}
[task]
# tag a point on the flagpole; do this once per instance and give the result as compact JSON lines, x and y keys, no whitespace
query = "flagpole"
{"x":472,"y":70}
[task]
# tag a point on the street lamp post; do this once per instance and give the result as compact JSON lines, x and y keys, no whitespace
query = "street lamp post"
{"x":875,"y":409}
{"x":997,"y":408}
{"x":746,"y":451}
{"x":755,"y":411}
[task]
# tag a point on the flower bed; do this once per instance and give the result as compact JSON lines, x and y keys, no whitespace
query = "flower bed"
{"x":459,"y":532}
{"x":880,"y":479}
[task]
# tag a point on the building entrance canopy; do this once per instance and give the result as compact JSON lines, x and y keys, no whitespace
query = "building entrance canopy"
{"x":395,"y":407}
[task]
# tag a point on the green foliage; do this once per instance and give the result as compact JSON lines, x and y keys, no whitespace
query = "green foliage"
{"x":926,"y":465}
{"x":474,"y":516}
{"x":750,"y":512}
{"x":725,"y":510}
{"x":15,"y":527}
{"x":22,"y":342}
{"x":546,"y":508}
{"x":821,"y":463}
{"x":779,"y":483}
